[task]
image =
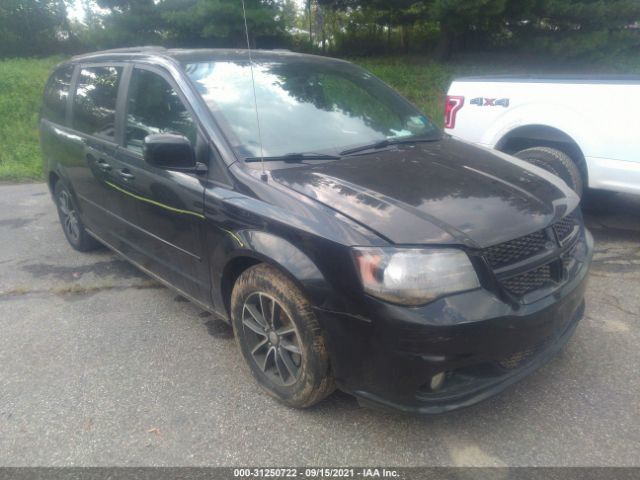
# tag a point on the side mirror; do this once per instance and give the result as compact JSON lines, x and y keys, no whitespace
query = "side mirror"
{"x":170,"y":151}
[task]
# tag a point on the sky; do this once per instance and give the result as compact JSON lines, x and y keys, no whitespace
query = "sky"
{"x":75,"y":11}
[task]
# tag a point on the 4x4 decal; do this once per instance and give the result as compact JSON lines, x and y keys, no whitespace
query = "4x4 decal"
{"x":490,"y":102}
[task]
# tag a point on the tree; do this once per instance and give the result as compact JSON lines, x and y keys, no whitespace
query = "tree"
{"x":129,"y":22}
{"x":392,"y":13}
{"x":32,"y":27}
{"x":563,"y":28}
{"x":455,"y":17}
{"x":221,"y":22}
{"x":571,"y":28}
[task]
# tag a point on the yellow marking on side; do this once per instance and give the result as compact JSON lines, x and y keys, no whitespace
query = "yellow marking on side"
{"x":173,"y":209}
{"x":235,"y":237}
{"x":153,"y":202}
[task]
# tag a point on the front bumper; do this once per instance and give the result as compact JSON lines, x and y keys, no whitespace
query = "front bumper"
{"x":482,"y":343}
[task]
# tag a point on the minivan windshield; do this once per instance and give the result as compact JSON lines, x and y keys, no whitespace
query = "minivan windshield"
{"x":305,"y":106}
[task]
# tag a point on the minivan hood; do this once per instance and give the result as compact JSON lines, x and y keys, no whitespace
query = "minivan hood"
{"x":444,"y":192}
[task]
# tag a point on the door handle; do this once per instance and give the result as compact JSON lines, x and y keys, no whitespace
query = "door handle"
{"x":102,"y":165}
{"x":126,"y":174}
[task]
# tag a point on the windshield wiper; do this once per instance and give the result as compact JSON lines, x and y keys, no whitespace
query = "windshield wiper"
{"x":293,"y":157}
{"x":387,"y":142}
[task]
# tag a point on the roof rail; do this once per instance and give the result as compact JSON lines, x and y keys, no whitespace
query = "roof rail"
{"x":142,"y":49}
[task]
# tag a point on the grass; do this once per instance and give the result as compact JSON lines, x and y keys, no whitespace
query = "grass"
{"x":423,"y":81}
{"x":21,"y":85}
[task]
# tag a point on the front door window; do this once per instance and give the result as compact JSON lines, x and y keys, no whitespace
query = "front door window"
{"x":154,"y":107}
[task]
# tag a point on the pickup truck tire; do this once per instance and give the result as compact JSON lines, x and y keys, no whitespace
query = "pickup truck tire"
{"x":556,"y":162}
{"x":72,"y":225}
{"x":279,"y":337}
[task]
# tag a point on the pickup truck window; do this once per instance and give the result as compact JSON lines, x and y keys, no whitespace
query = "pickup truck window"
{"x":94,"y":105}
{"x":54,"y":107}
{"x":154,"y":107}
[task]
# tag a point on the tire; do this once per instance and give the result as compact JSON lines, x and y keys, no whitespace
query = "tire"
{"x":292,"y":364}
{"x":556,"y":162}
{"x":72,"y":225}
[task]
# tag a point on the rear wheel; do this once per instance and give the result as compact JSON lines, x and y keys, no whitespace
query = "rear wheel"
{"x":72,"y":226}
{"x":556,"y":162}
{"x":280,"y":338}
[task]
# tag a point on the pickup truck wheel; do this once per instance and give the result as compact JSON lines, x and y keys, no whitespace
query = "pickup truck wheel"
{"x":556,"y":162}
{"x":72,"y":225}
{"x":280,"y":338}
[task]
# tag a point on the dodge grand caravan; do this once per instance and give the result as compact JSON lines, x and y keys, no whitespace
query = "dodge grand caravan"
{"x":347,"y":241}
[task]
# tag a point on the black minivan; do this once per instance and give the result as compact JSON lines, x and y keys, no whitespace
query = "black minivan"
{"x":349,"y":242}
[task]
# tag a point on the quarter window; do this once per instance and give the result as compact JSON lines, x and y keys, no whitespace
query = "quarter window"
{"x":94,"y":105}
{"x":56,"y":93}
{"x":154,"y":107}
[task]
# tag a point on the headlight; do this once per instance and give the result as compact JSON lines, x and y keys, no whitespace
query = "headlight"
{"x":414,"y":276}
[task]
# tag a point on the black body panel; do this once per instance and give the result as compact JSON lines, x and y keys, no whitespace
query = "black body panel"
{"x":444,"y":192}
{"x":195,"y":231}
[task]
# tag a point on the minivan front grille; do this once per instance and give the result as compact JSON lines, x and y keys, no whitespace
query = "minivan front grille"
{"x":529,"y":281}
{"x":516,"y":250}
{"x":509,"y":259}
{"x":565,"y":227}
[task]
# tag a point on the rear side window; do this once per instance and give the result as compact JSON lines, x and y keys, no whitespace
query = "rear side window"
{"x":56,"y":93}
{"x":94,"y":104}
{"x":154,"y":106}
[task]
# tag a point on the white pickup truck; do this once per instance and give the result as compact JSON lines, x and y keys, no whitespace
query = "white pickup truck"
{"x":584,"y":129}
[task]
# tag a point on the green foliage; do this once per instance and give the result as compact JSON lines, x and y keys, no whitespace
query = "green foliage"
{"x":588,"y":29}
{"x":460,"y":13}
{"x":129,"y":22}
{"x":588,"y":45}
{"x":221,"y":22}
{"x":424,"y":83}
{"x":21,"y":85}
{"x":564,"y":28}
{"x":32,"y":27}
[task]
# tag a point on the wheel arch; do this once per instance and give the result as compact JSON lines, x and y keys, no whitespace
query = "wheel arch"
{"x":250,"y":248}
{"x":540,"y":135}
{"x":52,"y":180}
{"x":57,"y":175}
{"x":235,"y":267}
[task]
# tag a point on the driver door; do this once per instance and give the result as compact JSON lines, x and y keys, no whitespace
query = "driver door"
{"x":168,"y":205}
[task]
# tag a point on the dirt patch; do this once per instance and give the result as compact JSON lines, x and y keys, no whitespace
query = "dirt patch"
{"x":15,"y":222}
{"x":114,"y":268}
{"x":219,"y":329}
{"x":69,"y":291}
{"x":77,"y":292}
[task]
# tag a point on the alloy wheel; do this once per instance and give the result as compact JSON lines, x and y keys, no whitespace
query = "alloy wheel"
{"x":272,"y":338}
{"x":70,"y":220}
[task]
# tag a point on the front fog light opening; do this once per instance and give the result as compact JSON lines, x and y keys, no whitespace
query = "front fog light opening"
{"x":437,"y":381}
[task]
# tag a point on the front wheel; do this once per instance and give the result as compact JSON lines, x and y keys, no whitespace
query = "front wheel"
{"x":280,"y":338}
{"x":72,"y":225}
{"x":556,"y":162}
